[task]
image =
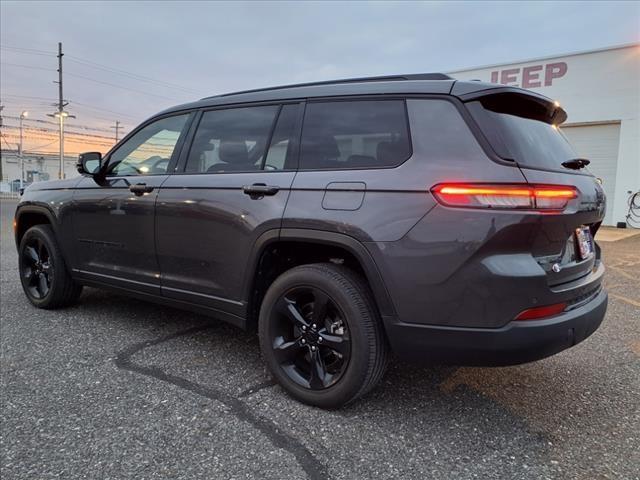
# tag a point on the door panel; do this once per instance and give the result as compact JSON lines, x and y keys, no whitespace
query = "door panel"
{"x":114,"y":220}
{"x":114,"y":232}
{"x":206,"y":227}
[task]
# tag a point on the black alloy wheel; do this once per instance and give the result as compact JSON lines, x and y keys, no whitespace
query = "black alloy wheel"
{"x":36,"y":268}
{"x":321,"y":334}
{"x":44,"y":276}
{"x":310,"y":338}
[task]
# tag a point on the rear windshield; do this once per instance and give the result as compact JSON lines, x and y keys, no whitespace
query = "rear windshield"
{"x":519,"y":130}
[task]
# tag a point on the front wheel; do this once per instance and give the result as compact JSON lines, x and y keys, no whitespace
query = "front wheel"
{"x":43,"y":273}
{"x":321,"y":335}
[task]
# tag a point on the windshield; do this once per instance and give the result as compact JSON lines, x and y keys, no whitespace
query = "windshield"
{"x":518,"y":134}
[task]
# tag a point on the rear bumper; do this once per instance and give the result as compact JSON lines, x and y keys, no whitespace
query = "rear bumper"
{"x":516,"y":342}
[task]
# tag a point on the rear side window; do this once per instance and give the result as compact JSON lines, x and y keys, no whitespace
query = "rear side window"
{"x":354,"y":134}
{"x":520,"y":130}
{"x":232,"y":140}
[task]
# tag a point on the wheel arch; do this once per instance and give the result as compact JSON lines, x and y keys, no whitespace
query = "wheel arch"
{"x":28,"y":216}
{"x":257,"y":271}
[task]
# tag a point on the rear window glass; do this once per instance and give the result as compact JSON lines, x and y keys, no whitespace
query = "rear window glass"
{"x":354,"y":134}
{"x":517,"y":131}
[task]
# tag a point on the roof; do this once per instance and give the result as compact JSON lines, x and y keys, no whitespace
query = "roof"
{"x":427,"y":83}
{"x":434,"y":83}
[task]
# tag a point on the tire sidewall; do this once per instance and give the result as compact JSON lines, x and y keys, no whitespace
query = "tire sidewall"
{"x":354,"y":309}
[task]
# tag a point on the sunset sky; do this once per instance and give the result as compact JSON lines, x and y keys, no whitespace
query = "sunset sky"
{"x":125,"y":61}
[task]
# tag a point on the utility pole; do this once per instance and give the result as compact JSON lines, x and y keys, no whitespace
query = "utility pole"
{"x":117,"y":127}
{"x":61,"y":114}
{"x":23,"y":115}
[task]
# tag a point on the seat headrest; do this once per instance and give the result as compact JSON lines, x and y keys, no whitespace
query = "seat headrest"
{"x":387,"y":151}
{"x":233,"y":152}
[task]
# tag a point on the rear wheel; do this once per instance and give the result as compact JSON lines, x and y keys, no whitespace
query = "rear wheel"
{"x":43,"y":273}
{"x":321,"y":335}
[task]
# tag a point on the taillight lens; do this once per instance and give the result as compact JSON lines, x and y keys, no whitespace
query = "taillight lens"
{"x":519,"y":196}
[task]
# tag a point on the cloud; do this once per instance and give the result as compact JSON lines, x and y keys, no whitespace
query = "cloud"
{"x":217,"y":47}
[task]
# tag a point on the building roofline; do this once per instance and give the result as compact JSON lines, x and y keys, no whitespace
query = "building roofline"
{"x":548,"y":57}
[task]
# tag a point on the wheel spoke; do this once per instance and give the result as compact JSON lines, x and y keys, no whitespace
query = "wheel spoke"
{"x":337,"y":343}
{"x":318,"y":376}
{"x":43,"y":287}
{"x":31,"y":255}
{"x":29,"y":275}
{"x":286,"y":351}
{"x":320,"y":304}
{"x":42,"y":250}
{"x":290,"y":310}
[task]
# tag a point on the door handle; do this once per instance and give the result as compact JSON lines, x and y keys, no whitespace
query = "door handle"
{"x":140,"y":189}
{"x":259,"y":190}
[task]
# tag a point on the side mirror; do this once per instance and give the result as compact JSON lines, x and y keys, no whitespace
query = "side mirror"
{"x":89,"y":163}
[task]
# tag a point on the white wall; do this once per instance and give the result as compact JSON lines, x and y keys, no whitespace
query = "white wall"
{"x":599,"y":86}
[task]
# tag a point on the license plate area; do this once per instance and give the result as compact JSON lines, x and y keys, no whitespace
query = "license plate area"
{"x":584,"y":242}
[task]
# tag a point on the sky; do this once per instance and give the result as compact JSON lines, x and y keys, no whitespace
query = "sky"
{"x":126,"y":61}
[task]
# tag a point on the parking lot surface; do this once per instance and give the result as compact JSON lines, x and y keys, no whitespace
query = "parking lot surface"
{"x":118,"y":388}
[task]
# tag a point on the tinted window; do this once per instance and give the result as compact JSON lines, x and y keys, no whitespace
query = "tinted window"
{"x":149,"y":151}
{"x":232,"y":140}
{"x":281,"y":151}
{"x":518,"y":131}
{"x":359,"y":134}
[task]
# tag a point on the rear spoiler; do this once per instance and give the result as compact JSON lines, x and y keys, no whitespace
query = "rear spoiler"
{"x":546,"y":109}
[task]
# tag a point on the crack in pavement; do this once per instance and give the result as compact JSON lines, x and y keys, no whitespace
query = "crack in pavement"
{"x":314,"y":469}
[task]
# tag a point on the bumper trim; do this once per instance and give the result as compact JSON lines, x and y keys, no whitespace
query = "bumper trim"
{"x":516,"y":342}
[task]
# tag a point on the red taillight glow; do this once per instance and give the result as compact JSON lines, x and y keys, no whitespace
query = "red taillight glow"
{"x":524,"y":196}
{"x":541,"y":312}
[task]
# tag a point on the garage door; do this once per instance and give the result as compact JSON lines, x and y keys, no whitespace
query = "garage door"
{"x":598,"y":143}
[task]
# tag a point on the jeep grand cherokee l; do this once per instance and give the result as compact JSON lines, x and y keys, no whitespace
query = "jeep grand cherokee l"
{"x":443,"y":220}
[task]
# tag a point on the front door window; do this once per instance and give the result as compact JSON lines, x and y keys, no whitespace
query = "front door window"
{"x":150,"y":150}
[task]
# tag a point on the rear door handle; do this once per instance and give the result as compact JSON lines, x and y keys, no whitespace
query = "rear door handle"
{"x":140,"y":189}
{"x":258,"y":190}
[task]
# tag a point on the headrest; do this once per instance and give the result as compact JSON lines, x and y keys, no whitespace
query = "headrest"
{"x":386,"y":151}
{"x":234,"y":152}
{"x":325,"y":148}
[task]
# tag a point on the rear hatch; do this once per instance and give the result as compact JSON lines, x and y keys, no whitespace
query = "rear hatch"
{"x":524,"y":129}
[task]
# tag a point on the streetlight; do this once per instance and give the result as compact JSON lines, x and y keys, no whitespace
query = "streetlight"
{"x":61,"y":115}
{"x":23,"y":115}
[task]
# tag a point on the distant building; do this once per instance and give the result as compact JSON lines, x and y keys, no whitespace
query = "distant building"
{"x":600,"y":90}
{"x":37,"y":167}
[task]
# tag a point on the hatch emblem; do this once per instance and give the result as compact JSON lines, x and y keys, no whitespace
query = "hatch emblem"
{"x":556,"y":267}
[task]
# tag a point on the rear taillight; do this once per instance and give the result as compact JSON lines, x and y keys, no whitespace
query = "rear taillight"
{"x":519,"y":196}
{"x":542,"y":312}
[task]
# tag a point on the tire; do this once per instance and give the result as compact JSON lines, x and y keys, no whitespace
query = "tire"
{"x":43,"y":273}
{"x":343,"y":335}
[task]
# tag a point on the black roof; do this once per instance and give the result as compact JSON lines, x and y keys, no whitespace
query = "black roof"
{"x":421,"y":83}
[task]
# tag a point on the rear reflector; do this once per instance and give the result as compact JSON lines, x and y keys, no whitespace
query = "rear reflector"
{"x":541,"y":312}
{"x":518,"y":196}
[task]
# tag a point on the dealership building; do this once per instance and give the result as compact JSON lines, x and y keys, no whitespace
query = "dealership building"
{"x":600,"y":90}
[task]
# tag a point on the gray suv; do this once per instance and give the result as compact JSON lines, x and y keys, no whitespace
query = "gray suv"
{"x":443,"y":220}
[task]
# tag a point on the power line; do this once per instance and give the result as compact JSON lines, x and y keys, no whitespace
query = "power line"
{"x":142,"y":92}
{"x":29,"y":51}
{"x":132,"y":75}
{"x":105,"y":68}
{"x":27,"y":66}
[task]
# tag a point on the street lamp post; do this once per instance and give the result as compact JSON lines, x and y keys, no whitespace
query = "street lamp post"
{"x":23,"y":115}
{"x":61,"y":115}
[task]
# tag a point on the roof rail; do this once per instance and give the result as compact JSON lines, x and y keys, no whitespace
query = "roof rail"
{"x":383,"y":78}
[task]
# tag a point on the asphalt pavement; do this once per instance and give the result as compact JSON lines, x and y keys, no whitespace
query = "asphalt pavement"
{"x":117,"y":388}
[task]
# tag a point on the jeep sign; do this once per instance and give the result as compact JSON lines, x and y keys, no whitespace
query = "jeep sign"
{"x":530,"y":77}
